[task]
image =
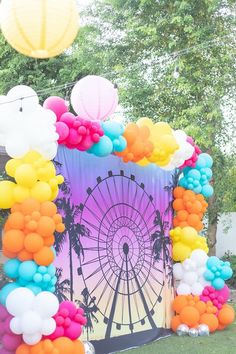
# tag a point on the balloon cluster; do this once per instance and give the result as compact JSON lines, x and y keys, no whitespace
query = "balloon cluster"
{"x":35,"y":177}
{"x":163,"y":140}
{"x":21,"y":120}
{"x":32,"y":315}
{"x":10,"y":341}
{"x":61,"y":345}
{"x":30,"y":275}
{"x":112,"y":141}
{"x":74,"y":132}
{"x":138,"y":144}
{"x":191,"y":162}
{"x":197,"y":179}
{"x":191,"y":311}
{"x":28,"y":232}
{"x":218,"y":297}
{"x":69,"y":321}
{"x":189,"y":274}
{"x":217,"y":272}
{"x":189,"y":208}
{"x":185,"y":240}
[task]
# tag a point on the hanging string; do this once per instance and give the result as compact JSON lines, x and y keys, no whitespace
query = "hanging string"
{"x":164,"y":58}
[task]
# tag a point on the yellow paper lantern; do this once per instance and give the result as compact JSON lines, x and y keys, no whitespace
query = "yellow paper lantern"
{"x":39,"y":28}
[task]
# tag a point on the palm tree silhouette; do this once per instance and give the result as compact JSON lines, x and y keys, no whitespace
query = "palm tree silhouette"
{"x":73,"y":230}
{"x":89,"y":307}
{"x":62,"y":286}
{"x":169,"y":189}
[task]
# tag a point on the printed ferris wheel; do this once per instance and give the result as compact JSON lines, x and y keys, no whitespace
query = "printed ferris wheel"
{"x":117,"y":266}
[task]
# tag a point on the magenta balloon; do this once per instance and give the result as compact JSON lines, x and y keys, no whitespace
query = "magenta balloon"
{"x":57,"y":105}
{"x":94,"y":98}
{"x":70,"y":307}
{"x":62,"y":130}
{"x":74,"y":138}
{"x":74,"y":331}
{"x":3,"y":312}
{"x":68,"y":118}
{"x":11,"y":342}
{"x":225,"y":292}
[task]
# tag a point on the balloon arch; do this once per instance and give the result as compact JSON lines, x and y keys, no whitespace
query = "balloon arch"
{"x":34,"y":320}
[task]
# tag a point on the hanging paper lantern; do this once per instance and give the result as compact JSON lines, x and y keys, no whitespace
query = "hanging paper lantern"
{"x":39,"y":29}
{"x":94,"y":98}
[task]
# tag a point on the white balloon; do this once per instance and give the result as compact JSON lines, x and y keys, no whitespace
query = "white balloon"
{"x":178,"y":271}
{"x":32,"y":339}
{"x":189,"y":264}
{"x":48,"y":327}
{"x":203,"y":281}
{"x":16,"y":147}
{"x":183,"y":289}
{"x":200,"y":271}
{"x":19,"y":301}
{"x":190,"y":278}
{"x":199,"y":257}
{"x":24,"y":98}
{"x":46,"y":304}
{"x":15,"y":325}
{"x":197,"y":289}
{"x":31,"y":323}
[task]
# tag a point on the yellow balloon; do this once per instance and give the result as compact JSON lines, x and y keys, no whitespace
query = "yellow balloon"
{"x":21,"y":193}
{"x":54,"y":194}
{"x":26,"y":175}
{"x":181,"y":252}
{"x":144,"y":162}
{"x":39,"y":29}
{"x":6,"y":194}
{"x":46,"y":172}
{"x":31,"y":157}
{"x":41,"y":191}
{"x":189,"y":235}
{"x":60,"y":179}
{"x":145,"y":122}
{"x":11,"y":167}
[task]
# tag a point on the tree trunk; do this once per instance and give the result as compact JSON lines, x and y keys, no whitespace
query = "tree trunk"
{"x":212,"y":226}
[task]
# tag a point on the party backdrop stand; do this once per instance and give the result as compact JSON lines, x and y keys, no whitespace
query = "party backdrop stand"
{"x":115,"y":251}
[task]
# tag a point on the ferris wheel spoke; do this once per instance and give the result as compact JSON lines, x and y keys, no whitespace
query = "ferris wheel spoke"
{"x":117,"y":194}
{"x":113,"y":307}
{"x":135,"y":299}
{"x":96,"y":229}
{"x":95,"y":260}
{"x":106,"y":285}
{"x":95,"y":216}
{"x":97,"y":270}
{"x":128,"y":291}
{"x":106,"y":205}
{"x":103,"y":212}
{"x":102,"y":279}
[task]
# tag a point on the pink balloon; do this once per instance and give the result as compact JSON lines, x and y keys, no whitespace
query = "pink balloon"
{"x":73,"y":331}
{"x":57,"y":105}
{"x":218,"y":297}
{"x":70,"y":307}
{"x":3,"y":313}
{"x":74,"y":138}
{"x":11,"y":342}
{"x":94,"y":98}
{"x":68,"y":118}
{"x":62,"y":130}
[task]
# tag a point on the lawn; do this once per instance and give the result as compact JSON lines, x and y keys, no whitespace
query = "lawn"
{"x":219,"y":343}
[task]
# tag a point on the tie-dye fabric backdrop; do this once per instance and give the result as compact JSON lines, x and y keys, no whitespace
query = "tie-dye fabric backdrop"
{"x":114,"y":258}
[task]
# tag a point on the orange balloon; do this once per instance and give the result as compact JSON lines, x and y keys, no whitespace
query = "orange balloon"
{"x":179,"y":303}
{"x":33,"y":242}
{"x":25,"y":256}
{"x":13,"y":241}
{"x":60,"y":227}
{"x":36,"y":215}
{"x":182,"y":215}
{"x":189,"y":316}
{"x":29,"y":206}
{"x":46,"y":226}
{"x":226,"y":315}
{"x":178,"y":192}
{"x":16,"y":221}
{"x":220,"y":327}
{"x":210,"y":320}
{"x":44,"y":257}
{"x":31,"y":225}
{"x":23,"y":349}
{"x":175,"y":322}
{"x":78,"y":347}
{"x":201,"y":307}
{"x":48,"y":209}
{"x":64,"y":345}
{"x":49,"y":241}
{"x":131,"y":133}
{"x":193,"y":220}
{"x":196,"y":207}
{"x":178,"y":204}
{"x":9,"y":254}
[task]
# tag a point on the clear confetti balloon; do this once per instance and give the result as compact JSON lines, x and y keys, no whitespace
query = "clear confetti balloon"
{"x":182,"y":330}
{"x":88,"y":347}
{"x":193,"y":332}
{"x":203,"y":330}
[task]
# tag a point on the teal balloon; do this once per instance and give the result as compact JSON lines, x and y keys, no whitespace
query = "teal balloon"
{"x":195,"y":174}
{"x":103,"y":148}
{"x":27,"y":270}
{"x":226,"y":273}
{"x":46,"y":278}
{"x":208,"y":160}
{"x":38,"y":278}
{"x":212,"y":261}
{"x":34,"y":288}
{"x":119,"y":144}
{"x":207,"y":191}
{"x":197,"y":189}
{"x":11,"y":268}
{"x":218,"y":283}
{"x":208,"y":275}
{"x":208,"y":173}
{"x":6,"y":290}
{"x":42,"y":270}
{"x":51,"y":270}
{"x":113,"y":129}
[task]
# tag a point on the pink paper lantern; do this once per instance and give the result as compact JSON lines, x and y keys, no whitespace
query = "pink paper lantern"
{"x":57,"y":105}
{"x":94,"y":98}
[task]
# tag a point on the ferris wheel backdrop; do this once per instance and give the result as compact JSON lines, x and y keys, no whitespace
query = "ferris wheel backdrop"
{"x":115,"y":260}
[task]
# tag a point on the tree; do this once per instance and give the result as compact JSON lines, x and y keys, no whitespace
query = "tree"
{"x":143,"y":42}
{"x":62,"y":286}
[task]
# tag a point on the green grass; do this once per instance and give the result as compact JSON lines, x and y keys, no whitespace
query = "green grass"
{"x":221,"y":342}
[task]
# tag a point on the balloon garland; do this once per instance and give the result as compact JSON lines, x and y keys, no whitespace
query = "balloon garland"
{"x":41,"y":324}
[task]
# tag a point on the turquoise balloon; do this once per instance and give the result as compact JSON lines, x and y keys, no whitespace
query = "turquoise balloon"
{"x":42,"y":269}
{"x":34,"y":288}
{"x":207,"y":191}
{"x":11,"y":268}
{"x":52,"y":270}
{"x":119,"y":144}
{"x":113,"y":129}
{"x":218,"y":283}
{"x":6,"y":290}
{"x":208,"y":275}
{"x":212,"y":261}
{"x":103,"y":148}
{"x":195,"y":174}
{"x":27,"y":270}
{"x":226,"y":273}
